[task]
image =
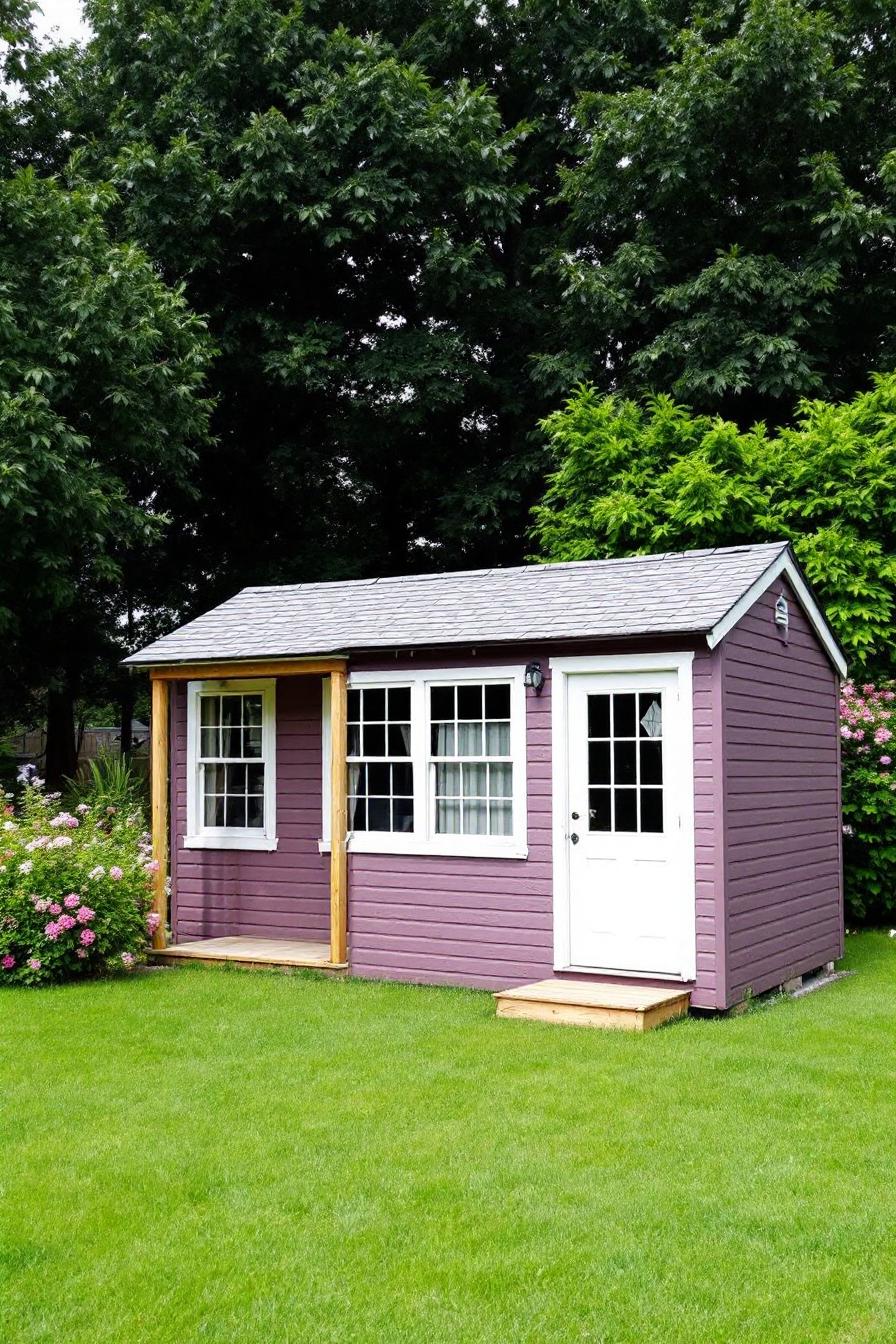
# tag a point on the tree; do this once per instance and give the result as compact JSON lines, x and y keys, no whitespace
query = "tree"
{"x":731,"y":219}
{"x":639,"y":477}
{"x":101,"y":412}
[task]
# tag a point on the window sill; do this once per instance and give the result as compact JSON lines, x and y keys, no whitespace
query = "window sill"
{"x":429,"y":848}
{"x":249,"y":842}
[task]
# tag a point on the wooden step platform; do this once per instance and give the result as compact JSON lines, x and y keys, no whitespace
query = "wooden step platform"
{"x":585,"y":1003}
{"x":266,"y":953}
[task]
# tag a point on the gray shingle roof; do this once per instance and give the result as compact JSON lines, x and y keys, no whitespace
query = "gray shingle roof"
{"x":688,"y":592}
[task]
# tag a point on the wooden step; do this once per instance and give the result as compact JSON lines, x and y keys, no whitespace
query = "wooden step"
{"x":584,"y":1003}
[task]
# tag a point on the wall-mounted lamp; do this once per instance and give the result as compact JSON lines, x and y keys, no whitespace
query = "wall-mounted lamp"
{"x":534,"y":677}
{"x":782,"y":617}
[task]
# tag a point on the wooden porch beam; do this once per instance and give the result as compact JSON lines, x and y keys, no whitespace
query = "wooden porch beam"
{"x":159,"y":799}
{"x":275,"y":667}
{"x":338,"y":817}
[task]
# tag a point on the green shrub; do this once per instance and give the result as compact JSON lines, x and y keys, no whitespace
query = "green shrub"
{"x":110,"y":782}
{"x":868,"y":732}
{"x":75,"y":888}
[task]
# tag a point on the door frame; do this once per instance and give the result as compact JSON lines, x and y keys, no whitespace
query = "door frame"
{"x":562,"y":669}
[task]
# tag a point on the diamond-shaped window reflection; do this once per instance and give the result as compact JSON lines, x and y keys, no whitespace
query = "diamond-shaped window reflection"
{"x":652,"y":721}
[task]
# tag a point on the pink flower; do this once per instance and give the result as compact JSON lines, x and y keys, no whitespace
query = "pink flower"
{"x":71,"y":900}
{"x":65,"y":922}
{"x":8,"y":962}
{"x":886,"y":760}
{"x":41,"y":904}
{"x":127,"y":959}
{"x":34,"y":964}
{"x":65,"y":819}
{"x":81,"y":953}
{"x":153,"y":920}
{"x":882,"y":735}
{"x":116,"y":874}
{"x":52,"y":931}
{"x":61,"y":842}
{"x":84,"y":915}
{"x":54,"y":908}
{"x":87,"y":937}
{"x":82,"y":808}
{"x":152,"y":866}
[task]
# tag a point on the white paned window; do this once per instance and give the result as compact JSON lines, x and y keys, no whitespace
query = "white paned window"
{"x":436,"y":762}
{"x":231,"y":731}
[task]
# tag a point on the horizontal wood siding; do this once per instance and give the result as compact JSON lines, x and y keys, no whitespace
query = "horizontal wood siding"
{"x":485,"y":923}
{"x":281,"y":894}
{"x":782,"y":803}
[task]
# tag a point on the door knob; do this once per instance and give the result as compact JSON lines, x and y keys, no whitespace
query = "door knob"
{"x":575,"y":816}
{"x":574,"y":838}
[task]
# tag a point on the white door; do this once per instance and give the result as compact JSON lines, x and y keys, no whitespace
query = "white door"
{"x":629,"y":828}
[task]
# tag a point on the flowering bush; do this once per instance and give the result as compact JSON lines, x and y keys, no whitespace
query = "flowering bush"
{"x":75,"y":888}
{"x":868,"y":732}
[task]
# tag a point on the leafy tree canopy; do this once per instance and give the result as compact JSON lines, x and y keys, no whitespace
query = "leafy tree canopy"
{"x":639,"y":477}
{"x":101,"y":411}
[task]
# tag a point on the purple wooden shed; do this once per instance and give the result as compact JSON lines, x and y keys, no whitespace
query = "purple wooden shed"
{"x":620,"y":772}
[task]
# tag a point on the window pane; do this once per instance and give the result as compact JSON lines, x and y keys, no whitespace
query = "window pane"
{"x":374,"y":739}
{"x":400,"y":702}
{"x":402,"y":779}
{"x":626,"y":804}
{"x":255,"y":779}
{"x":354,"y":739}
{"x":497,"y":739}
{"x":232,"y":710}
{"x":624,"y":762}
{"x":399,"y":739}
{"x":447,"y":817}
{"x":215,"y":776}
{"x":497,"y":702}
{"x":650,"y":715}
{"x":475,"y":816}
{"x":500,"y":781}
{"x":441,"y":702}
{"x":236,"y":779}
{"x":402,"y":814}
{"x":469,"y":702}
{"x":209,"y":710}
{"x":448,"y":781}
{"x":374,"y":706}
{"x":378,"y":814}
{"x":598,"y":716}
{"x":501,"y":818}
{"x":255,"y":811}
{"x":357,"y":811}
{"x":624,"y":716}
{"x":598,"y":809}
{"x":379,"y":779}
{"x":354,"y":706}
{"x":651,"y":762}
{"x":214,"y":811}
{"x":651,"y":809}
{"x":357,"y":779}
{"x":235,"y":811}
{"x":252,"y":711}
{"x":231,"y":742}
{"x":209,"y":745}
{"x":252,"y":742}
{"x":443,"y":743}
{"x":598,"y":762}
{"x":469,"y":739}
{"x":474,"y":781}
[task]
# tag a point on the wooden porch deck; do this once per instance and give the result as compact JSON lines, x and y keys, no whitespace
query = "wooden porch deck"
{"x":284,"y":953}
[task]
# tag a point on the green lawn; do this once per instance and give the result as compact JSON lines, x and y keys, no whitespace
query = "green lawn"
{"x":219,"y":1155}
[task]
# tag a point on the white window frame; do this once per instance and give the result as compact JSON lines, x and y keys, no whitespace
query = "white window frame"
{"x":423,"y":839}
{"x":198,"y":835}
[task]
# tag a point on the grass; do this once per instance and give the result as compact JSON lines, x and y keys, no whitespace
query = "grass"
{"x":224,"y":1156}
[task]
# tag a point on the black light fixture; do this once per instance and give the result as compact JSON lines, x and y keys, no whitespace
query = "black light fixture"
{"x":534,"y":677}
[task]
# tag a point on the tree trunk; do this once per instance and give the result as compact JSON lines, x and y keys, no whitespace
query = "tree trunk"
{"x":126,"y":719}
{"x":62,"y":756}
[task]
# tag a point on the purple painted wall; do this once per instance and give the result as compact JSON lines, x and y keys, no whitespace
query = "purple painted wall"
{"x":783,"y":872}
{"x":282,"y":894}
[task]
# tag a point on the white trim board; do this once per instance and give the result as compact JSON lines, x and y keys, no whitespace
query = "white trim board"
{"x":783,"y":565}
{"x":207,"y":837}
{"x":561,"y":671}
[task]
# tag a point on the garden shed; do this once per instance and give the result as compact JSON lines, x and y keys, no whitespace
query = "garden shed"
{"x":619,"y":774}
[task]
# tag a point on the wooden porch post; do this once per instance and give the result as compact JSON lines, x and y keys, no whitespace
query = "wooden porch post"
{"x":338,"y":817}
{"x":159,"y":796}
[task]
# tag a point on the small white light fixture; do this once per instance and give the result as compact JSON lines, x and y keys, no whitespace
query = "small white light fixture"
{"x":782,"y":614}
{"x":534,"y":677}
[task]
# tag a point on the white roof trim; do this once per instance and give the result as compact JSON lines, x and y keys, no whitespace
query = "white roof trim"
{"x":784,"y":564}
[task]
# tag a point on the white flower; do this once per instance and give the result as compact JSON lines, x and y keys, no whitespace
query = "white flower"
{"x":60,"y":842}
{"x":26,"y":866}
{"x":9,"y":826}
{"x":96,"y":873}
